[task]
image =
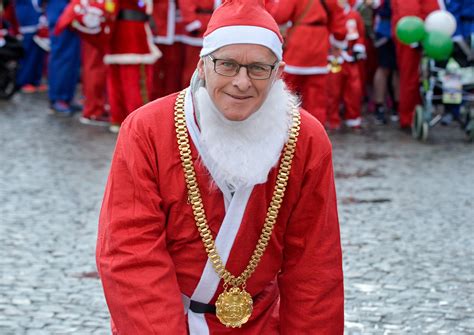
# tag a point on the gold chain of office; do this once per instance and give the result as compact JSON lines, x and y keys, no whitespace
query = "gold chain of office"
{"x":234,"y":305}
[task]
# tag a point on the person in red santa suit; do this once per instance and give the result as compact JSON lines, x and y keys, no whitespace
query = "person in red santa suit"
{"x":167,"y":75}
{"x":130,"y":55}
{"x":408,"y":57}
{"x":307,"y":47}
{"x":344,"y":81}
{"x":90,"y":19}
{"x":195,"y":17}
{"x":220,"y":207}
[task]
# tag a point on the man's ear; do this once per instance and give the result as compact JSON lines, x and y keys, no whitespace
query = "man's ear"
{"x":200,"y":68}
{"x":281,"y":67}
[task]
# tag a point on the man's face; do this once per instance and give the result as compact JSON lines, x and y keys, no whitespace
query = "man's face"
{"x":240,"y":96}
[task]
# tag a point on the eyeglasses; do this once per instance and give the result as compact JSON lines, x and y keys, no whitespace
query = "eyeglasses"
{"x":230,"y":68}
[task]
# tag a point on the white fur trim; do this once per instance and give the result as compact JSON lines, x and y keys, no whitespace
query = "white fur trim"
{"x":306,"y":70}
{"x":240,"y":35}
{"x":170,"y":26}
{"x":90,"y":31}
{"x":37,"y":6}
{"x":354,"y":122}
{"x":43,"y":43}
{"x":337,"y":43}
{"x":197,"y":324}
{"x":217,"y":3}
{"x":359,"y":48}
{"x":225,"y":238}
{"x":149,"y":58}
{"x":149,"y":7}
{"x":196,"y":24}
{"x":28,"y":29}
{"x":194,"y":41}
{"x":347,"y":57}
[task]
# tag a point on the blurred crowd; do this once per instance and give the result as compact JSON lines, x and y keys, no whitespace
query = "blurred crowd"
{"x":340,"y":55}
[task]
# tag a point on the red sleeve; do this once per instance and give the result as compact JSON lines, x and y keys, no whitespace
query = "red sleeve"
{"x":311,"y":282}
{"x":188,"y":10}
{"x":137,"y":272}
{"x":282,"y":10}
{"x":337,"y":20}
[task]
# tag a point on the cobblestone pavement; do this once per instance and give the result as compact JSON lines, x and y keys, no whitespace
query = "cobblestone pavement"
{"x":406,"y":212}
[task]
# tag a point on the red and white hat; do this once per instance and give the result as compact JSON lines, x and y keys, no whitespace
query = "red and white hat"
{"x":239,"y":22}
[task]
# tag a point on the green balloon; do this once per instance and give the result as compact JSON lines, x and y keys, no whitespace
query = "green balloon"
{"x":437,"y":45}
{"x":410,"y":29}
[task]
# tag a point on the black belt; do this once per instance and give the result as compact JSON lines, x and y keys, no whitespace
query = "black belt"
{"x":315,"y":23}
{"x":132,"y":15}
{"x":204,"y":11}
{"x":199,"y":307}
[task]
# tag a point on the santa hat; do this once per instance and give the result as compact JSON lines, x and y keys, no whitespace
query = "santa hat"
{"x":242,"y":21}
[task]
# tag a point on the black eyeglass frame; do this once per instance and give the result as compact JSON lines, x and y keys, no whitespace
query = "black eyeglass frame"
{"x":239,"y":66}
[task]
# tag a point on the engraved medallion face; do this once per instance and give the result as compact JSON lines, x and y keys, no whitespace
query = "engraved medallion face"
{"x":233,"y":308}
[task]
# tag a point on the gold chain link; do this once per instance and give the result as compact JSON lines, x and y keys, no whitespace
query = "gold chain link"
{"x":195,"y":199}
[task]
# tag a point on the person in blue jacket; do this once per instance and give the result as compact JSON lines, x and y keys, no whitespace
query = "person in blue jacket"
{"x":64,"y":62}
{"x":463,"y":11}
{"x":28,"y":13}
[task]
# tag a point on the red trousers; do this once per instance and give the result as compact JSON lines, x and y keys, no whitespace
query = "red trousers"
{"x":129,"y":86}
{"x":312,"y":89}
{"x":166,"y":71}
{"x":344,"y":86}
{"x":408,"y":59}
{"x":191,"y":58}
{"x":367,"y":67}
{"x":93,"y":80}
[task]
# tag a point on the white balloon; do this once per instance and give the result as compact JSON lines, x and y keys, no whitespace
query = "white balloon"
{"x":441,"y":21}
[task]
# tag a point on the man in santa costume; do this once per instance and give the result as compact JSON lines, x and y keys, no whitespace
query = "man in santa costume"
{"x":130,"y":55}
{"x":237,"y":224}
{"x":344,"y":81}
{"x":90,"y":19}
{"x":408,"y":56}
{"x":307,"y":46}
{"x":195,"y":15}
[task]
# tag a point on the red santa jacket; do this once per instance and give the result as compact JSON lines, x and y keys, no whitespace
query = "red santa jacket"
{"x":164,"y":17}
{"x":195,"y":15}
{"x":307,"y":40}
{"x":149,"y":252}
{"x":354,"y":41}
{"x":131,"y":39}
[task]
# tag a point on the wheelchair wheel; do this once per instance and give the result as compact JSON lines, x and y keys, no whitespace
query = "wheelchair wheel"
{"x":420,"y":127}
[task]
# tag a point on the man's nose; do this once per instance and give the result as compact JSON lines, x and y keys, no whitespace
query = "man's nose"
{"x":242,"y":80}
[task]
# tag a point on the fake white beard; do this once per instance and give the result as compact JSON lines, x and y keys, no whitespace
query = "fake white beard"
{"x":241,"y":153}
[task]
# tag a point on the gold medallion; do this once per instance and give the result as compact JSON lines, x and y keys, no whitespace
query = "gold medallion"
{"x":234,"y":307}
{"x":335,"y":67}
